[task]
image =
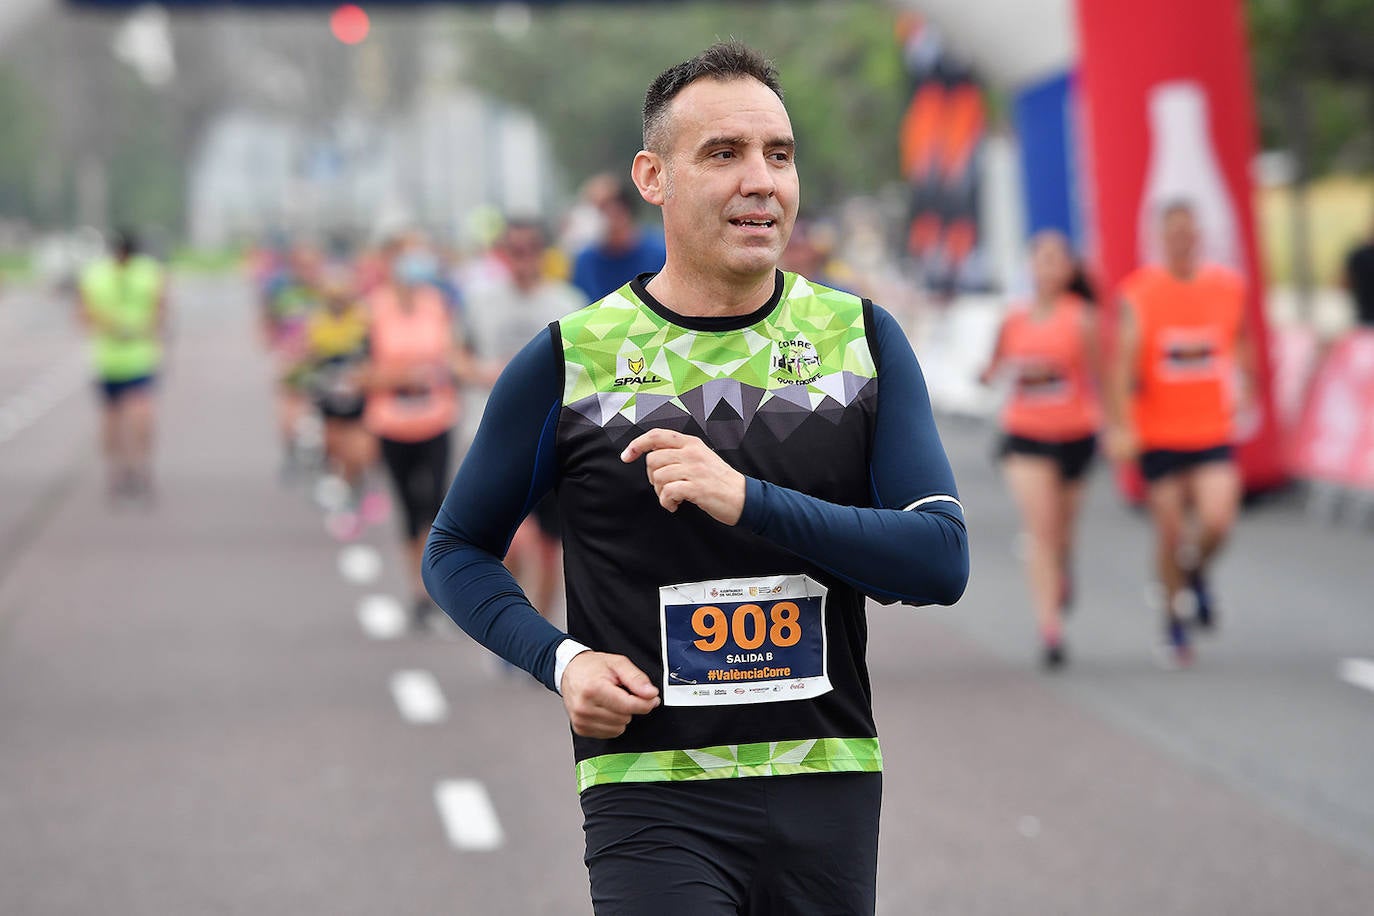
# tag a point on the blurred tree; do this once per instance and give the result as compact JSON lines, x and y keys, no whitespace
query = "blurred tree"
{"x":1313,"y":60}
{"x":583,"y":71}
{"x":1314,"y":65}
{"x":22,"y":149}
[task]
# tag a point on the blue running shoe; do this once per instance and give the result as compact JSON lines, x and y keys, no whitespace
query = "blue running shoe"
{"x":1177,"y":652}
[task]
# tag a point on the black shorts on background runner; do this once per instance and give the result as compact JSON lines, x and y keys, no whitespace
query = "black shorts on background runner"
{"x":114,"y":391}
{"x":1073,"y":457}
{"x":419,"y":471}
{"x":1159,"y":463}
{"x":761,"y":846}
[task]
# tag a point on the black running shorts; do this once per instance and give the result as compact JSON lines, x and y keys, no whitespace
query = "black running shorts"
{"x":1073,"y":457}
{"x":1159,"y":463}
{"x":760,"y":846}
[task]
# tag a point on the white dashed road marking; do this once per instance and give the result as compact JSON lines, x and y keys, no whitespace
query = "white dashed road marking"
{"x":469,"y":818}
{"x":419,"y":698}
{"x":360,"y":564}
{"x":1358,"y":671}
{"x":381,"y":617}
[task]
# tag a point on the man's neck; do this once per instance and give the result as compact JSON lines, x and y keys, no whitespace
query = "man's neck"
{"x":1182,"y":270}
{"x":710,"y":297}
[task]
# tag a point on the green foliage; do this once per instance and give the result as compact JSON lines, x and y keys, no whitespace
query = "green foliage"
{"x":583,"y":71}
{"x":146,"y":177}
{"x":24,"y":139}
{"x":1314,"y":73}
{"x":206,"y":261}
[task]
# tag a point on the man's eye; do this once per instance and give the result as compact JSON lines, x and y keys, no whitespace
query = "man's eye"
{"x":723,"y":154}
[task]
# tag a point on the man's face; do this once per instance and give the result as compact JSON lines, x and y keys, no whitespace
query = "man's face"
{"x":1180,"y":236}
{"x":524,"y":250}
{"x":730,"y":184}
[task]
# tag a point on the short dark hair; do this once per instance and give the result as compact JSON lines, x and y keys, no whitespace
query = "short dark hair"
{"x":724,"y":60}
{"x":1174,"y":205}
{"x":125,"y":243}
{"x":527,"y":224}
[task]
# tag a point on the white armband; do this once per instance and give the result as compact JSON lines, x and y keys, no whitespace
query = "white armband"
{"x":567,"y":650}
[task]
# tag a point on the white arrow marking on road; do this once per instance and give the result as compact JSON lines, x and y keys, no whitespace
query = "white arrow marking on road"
{"x":418,"y":697}
{"x":360,"y":564}
{"x":381,"y":617}
{"x":1358,"y":671}
{"x":469,"y":819}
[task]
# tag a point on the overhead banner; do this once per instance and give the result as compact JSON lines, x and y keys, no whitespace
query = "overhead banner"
{"x":941,"y":141}
{"x":1169,"y":115}
{"x":1045,"y":114}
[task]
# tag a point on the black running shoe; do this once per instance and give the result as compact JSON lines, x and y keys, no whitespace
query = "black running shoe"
{"x":1204,"y":617}
{"x":1053,"y":657}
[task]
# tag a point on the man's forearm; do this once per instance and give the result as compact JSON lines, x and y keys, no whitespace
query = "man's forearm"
{"x":917,"y":554}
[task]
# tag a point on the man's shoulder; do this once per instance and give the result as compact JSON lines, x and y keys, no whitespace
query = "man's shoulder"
{"x":797,"y":288}
{"x":1362,"y":254}
{"x":1223,"y":278}
{"x":585,"y":256}
{"x":1140,"y":280}
{"x":96,"y":269}
{"x":612,"y":307}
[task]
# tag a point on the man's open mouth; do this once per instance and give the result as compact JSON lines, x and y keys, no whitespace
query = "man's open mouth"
{"x":754,"y":223}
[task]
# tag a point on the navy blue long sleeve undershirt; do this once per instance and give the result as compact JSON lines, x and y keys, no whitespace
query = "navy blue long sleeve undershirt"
{"x":912,"y":547}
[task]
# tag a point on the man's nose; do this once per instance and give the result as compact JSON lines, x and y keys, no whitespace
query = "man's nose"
{"x":758,"y":179}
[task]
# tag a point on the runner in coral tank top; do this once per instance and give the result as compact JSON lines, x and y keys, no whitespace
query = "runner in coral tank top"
{"x":1049,"y":427}
{"x":417,"y":355}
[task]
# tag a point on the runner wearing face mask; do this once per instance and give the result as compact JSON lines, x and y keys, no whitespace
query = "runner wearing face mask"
{"x":416,"y":359}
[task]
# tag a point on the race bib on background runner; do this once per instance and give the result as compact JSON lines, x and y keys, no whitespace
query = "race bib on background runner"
{"x":731,"y":641}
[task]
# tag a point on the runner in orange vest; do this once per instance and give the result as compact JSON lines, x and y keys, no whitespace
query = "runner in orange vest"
{"x":1049,"y":426}
{"x":1182,"y":338}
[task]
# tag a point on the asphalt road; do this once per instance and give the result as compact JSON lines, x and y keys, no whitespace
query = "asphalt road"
{"x":200,"y":707}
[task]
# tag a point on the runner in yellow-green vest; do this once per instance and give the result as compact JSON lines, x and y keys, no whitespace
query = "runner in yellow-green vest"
{"x":741,"y":458}
{"x":123,"y":305}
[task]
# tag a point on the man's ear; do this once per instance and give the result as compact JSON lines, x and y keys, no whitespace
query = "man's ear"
{"x":648,"y":172}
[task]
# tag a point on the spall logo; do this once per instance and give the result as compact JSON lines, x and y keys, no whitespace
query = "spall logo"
{"x":635,"y":374}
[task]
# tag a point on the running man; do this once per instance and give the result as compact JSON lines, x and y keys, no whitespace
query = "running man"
{"x":623,"y":250}
{"x":741,"y":457}
{"x":1182,"y":337}
{"x":336,"y":352}
{"x":124,"y":308}
{"x":503,"y":317}
{"x":288,"y":297}
{"x":1049,"y":427}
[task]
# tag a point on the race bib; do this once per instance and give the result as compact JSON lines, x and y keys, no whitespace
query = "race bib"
{"x":413,"y":399}
{"x":1190,"y":354}
{"x":731,"y":641}
{"x":1041,"y":382}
